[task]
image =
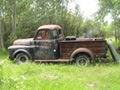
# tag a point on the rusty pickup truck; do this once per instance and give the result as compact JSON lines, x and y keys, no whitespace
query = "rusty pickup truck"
{"x":48,"y":45}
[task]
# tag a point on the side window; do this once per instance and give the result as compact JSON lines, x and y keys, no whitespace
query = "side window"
{"x":55,"y":34}
{"x":59,"y":31}
{"x":39,"y":35}
{"x":43,"y":34}
{"x":48,"y":34}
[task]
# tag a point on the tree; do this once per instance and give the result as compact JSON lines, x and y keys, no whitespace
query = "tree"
{"x":110,"y":7}
{"x":21,"y":18}
{"x":14,"y":18}
{"x":1,"y":23}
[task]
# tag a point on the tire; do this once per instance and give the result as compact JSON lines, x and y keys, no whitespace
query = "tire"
{"x":22,"y":58}
{"x":82,"y":60}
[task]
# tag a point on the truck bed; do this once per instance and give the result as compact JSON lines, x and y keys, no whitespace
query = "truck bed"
{"x":97,"y":45}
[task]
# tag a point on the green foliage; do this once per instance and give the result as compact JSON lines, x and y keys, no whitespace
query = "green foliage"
{"x":3,"y":54}
{"x":110,"y":7}
{"x":12,"y":38}
{"x":116,"y":45}
{"x":30,"y":14}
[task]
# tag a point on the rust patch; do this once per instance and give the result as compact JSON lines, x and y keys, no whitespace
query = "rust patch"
{"x":97,"y":46}
{"x":49,"y":27}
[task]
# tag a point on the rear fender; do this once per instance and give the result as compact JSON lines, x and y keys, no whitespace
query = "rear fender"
{"x":21,"y":51}
{"x":82,"y":50}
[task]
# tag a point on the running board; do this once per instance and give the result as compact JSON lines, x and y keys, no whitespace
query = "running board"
{"x":57,"y":60}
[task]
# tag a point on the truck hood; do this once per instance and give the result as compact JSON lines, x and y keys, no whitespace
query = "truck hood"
{"x":23,"y":41}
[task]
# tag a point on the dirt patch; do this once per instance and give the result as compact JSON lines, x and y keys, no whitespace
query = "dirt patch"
{"x":92,"y":85}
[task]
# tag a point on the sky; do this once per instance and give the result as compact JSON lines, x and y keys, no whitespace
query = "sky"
{"x":88,"y":8}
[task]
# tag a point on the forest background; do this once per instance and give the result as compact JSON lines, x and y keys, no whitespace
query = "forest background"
{"x":21,"y":18}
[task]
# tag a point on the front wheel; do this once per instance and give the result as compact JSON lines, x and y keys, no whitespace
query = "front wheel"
{"x":22,"y":58}
{"x":82,"y":60}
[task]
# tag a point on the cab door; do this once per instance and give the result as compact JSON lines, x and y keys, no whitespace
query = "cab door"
{"x":43,"y":42}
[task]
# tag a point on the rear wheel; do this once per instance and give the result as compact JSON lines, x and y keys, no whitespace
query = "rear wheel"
{"x":22,"y":58}
{"x":82,"y":60}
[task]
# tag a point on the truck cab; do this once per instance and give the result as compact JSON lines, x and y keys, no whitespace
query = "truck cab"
{"x":46,"y":42}
{"x":48,"y":45}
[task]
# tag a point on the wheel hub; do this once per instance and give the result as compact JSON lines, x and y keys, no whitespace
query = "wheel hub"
{"x":82,"y":61}
{"x":23,"y":59}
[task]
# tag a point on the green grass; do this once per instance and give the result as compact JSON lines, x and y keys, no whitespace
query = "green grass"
{"x":59,"y":77}
{"x":3,"y":54}
{"x":33,"y":76}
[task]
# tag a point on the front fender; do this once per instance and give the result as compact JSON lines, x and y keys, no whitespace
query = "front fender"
{"x":21,"y":51}
{"x":82,"y":50}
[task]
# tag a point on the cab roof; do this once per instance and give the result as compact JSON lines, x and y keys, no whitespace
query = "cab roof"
{"x":49,"y":27}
